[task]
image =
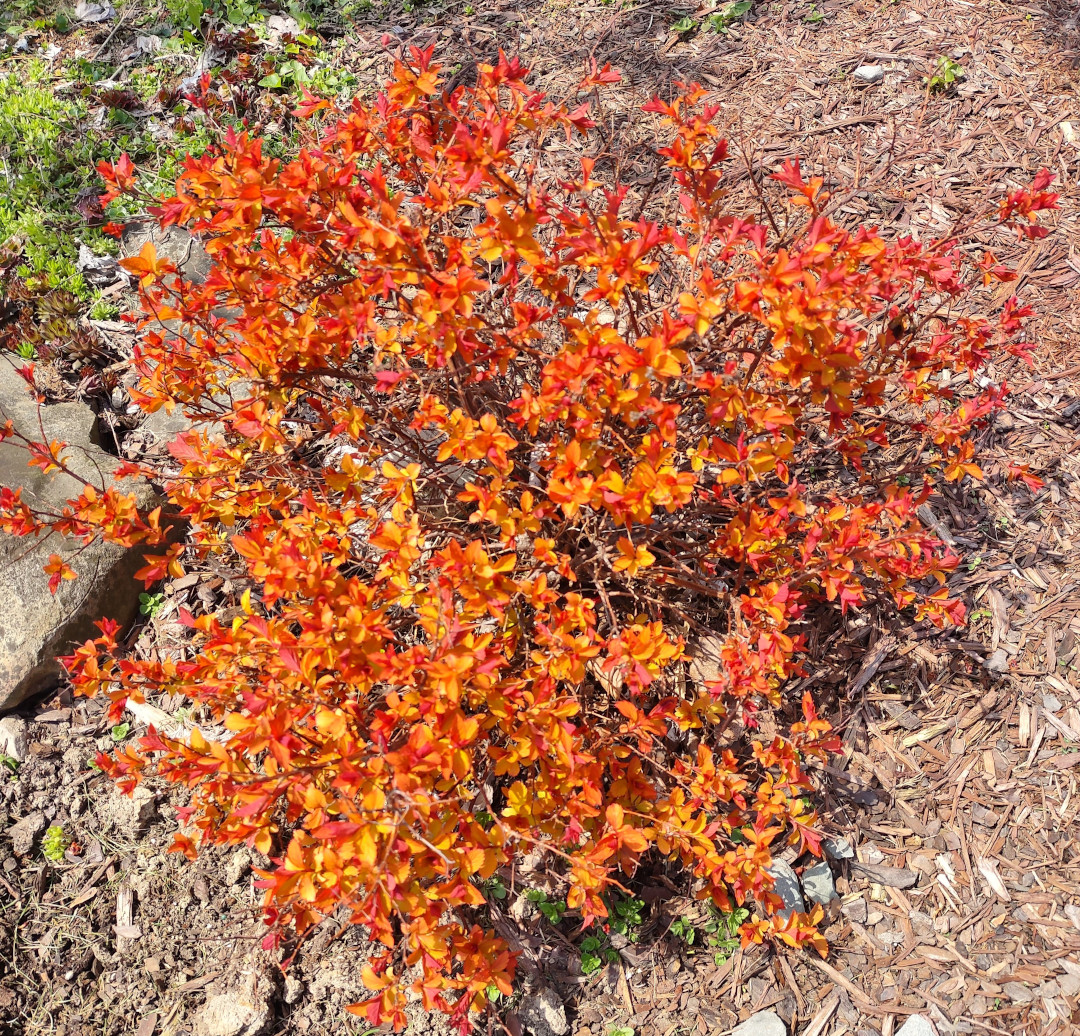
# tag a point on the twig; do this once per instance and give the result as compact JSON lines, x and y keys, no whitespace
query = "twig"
{"x":855,"y":120}
{"x":108,"y":39}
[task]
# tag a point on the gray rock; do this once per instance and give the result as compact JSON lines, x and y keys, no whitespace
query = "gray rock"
{"x":1051,"y":702}
{"x":764,"y":1023}
{"x":869,"y":74}
{"x":176,"y":244}
{"x":916,"y":1025}
{"x":543,"y":1013}
{"x":893,"y":877}
{"x":25,"y":833}
{"x":817,"y":883}
{"x":856,"y":910}
{"x":278,"y":25}
{"x":37,"y":625}
{"x":294,"y":989}
{"x":787,"y":888}
{"x":838,"y":849}
{"x":13,"y":740}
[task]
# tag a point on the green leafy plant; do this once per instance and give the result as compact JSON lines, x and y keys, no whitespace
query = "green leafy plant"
{"x":621,"y":1030}
{"x":946,"y":73}
{"x":683,"y":930}
{"x":814,"y":16}
{"x":494,"y":888}
{"x":291,"y":72}
{"x":151,"y":604}
{"x":729,"y":14}
{"x":684,"y":24}
{"x":120,"y":731}
{"x":595,"y":952}
{"x":55,"y":843}
{"x":624,"y":916}
{"x":10,"y":762}
{"x":552,"y":909}
{"x":26,"y":350}
{"x":722,"y":931}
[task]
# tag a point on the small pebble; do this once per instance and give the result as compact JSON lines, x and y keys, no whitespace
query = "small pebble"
{"x":869,"y":73}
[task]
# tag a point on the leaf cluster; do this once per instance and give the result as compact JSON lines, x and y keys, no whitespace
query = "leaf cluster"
{"x":497,"y":452}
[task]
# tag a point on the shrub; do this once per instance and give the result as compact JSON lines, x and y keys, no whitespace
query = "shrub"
{"x":500,"y":453}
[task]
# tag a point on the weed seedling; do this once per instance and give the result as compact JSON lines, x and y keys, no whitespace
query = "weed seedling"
{"x":946,"y":74}
{"x":55,"y":843}
{"x":683,"y":930}
{"x":552,"y":909}
{"x":729,"y":14}
{"x":723,"y":931}
{"x":596,"y":951}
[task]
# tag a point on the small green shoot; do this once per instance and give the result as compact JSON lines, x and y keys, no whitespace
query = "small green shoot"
{"x":683,"y":930}
{"x":723,"y":931}
{"x":946,"y":74}
{"x":552,"y":909}
{"x":684,"y":24}
{"x":55,"y":843}
{"x":729,"y":14}
{"x":120,"y":731}
{"x":624,"y":916}
{"x":10,"y":762}
{"x":151,"y":604}
{"x":596,"y":951}
{"x":494,"y":888}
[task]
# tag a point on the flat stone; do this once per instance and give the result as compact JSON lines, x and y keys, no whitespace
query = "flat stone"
{"x":838,"y":849}
{"x":817,"y":883}
{"x":130,"y":814}
{"x":243,"y":1009}
{"x":764,"y":1023}
{"x":893,"y":877}
{"x":98,"y":270}
{"x":176,"y":244}
{"x":37,"y":625}
{"x":544,"y":1014}
{"x":25,"y":833}
{"x":786,"y":886}
{"x":916,"y":1025}
{"x":14,"y":742}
